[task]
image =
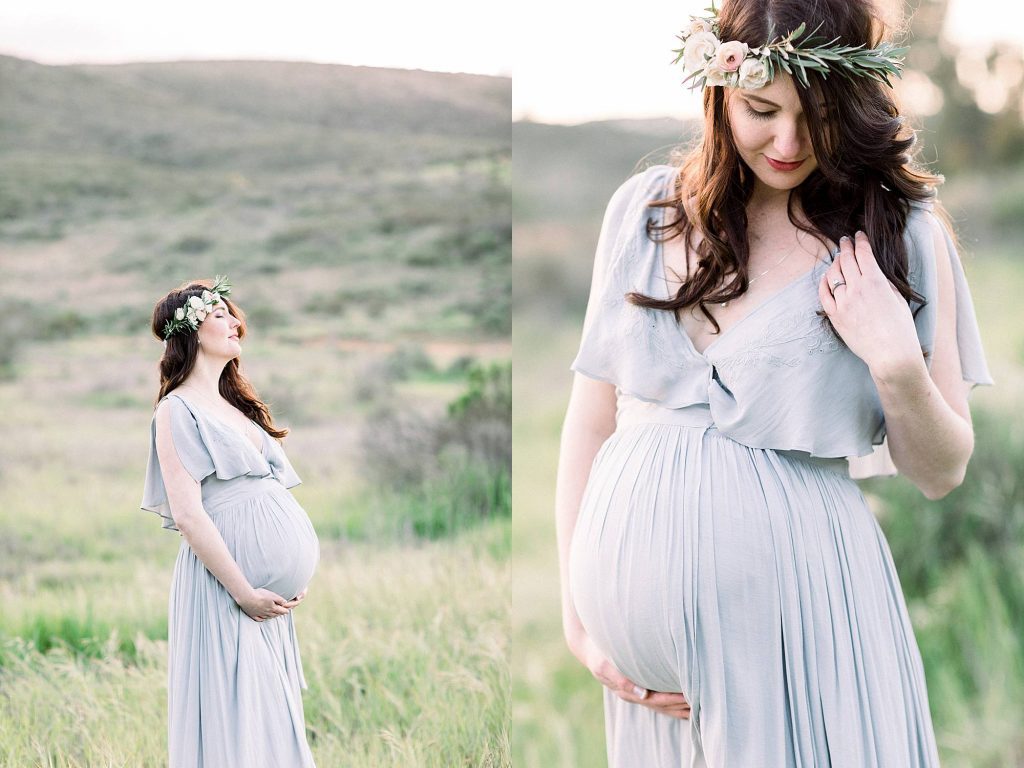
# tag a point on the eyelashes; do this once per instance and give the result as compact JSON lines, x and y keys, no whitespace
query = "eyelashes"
{"x":771,"y":113}
{"x":758,"y":115}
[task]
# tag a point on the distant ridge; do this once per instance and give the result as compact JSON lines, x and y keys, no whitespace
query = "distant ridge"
{"x":193,"y":112}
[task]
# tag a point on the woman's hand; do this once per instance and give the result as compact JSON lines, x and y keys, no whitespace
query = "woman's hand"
{"x":297,"y":599}
{"x":262,"y":604}
{"x":867,"y":311}
{"x":601,"y":667}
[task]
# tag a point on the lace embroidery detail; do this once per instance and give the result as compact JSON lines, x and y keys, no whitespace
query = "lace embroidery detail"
{"x":778,"y":345}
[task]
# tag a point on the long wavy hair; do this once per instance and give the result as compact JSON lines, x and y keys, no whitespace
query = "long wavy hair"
{"x":182,"y":348}
{"x":865,"y":179}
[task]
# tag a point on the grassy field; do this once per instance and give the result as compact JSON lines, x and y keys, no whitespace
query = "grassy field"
{"x":404,"y":640}
{"x":364,"y":218}
{"x":961,"y":559}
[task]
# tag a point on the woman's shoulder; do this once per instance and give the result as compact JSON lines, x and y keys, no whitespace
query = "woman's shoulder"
{"x":923,"y":224}
{"x":653,"y":179}
{"x":632,"y":197}
{"x":175,"y":406}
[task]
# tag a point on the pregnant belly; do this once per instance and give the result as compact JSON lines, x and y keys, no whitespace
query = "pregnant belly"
{"x":273,"y":542}
{"x":687,"y":540}
{"x":629,"y":558}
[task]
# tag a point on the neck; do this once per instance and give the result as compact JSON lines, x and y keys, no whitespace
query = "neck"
{"x":768,"y":207}
{"x":768,"y":200}
{"x":205,"y":376}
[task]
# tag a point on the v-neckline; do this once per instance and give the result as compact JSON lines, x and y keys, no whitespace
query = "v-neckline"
{"x":659,"y":263}
{"x":263,"y":439}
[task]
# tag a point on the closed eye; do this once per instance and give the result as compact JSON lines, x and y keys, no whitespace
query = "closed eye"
{"x":759,"y":115}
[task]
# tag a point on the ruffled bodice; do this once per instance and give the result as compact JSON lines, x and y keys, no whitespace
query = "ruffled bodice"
{"x":211,"y":452}
{"x":777,"y":379}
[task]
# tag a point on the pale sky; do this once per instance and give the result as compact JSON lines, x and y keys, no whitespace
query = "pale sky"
{"x":440,"y":35}
{"x":579,"y":61}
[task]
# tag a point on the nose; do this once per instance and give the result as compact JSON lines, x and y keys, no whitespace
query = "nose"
{"x":789,"y":140}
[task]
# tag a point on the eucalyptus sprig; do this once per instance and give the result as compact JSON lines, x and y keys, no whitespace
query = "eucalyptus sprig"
{"x":709,"y":61}
{"x":848,"y":60}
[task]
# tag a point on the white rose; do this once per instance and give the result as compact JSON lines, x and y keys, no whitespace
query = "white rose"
{"x":200,"y":315}
{"x":190,"y":316}
{"x":179,"y":313}
{"x":730,"y":55}
{"x":699,"y":25}
{"x":699,"y":48}
{"x":714,"y":75}
{"x":195,"y":302}
{"x":753,"y":73}
{"x":209,"y":298}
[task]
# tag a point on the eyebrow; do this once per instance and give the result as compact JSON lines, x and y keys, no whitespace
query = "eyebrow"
{"x":766,"y":102}
{"x":763,"y":101}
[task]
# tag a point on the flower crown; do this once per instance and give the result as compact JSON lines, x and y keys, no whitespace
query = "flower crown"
{"x":708,"y":61}
{"x":188,"y":317}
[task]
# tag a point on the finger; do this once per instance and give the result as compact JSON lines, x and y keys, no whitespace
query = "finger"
{"x":292,"y":603}
{"x":848,"y":260}
{"x":677,"y":712}
{"x":626,"y":688}
{"x":828,"y":302}
{"x":668,"y":700}
{"x":865,"y":255}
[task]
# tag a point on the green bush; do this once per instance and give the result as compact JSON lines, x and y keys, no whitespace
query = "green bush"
{"x":928,"y":539}
{"x":439,"y":475}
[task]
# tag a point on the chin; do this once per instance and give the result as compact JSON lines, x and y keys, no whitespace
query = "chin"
{"x":782,"y":181}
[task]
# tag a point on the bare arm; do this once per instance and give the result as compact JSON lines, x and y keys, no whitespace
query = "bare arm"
{"x":928,"y":421}
{"x":589,"y":421}
{"x":185,"y":499}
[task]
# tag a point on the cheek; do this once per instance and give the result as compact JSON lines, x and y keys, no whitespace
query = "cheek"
{"x":749,"y":135}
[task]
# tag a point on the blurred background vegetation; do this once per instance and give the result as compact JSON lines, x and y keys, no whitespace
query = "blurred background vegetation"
{"x":960,"y":559}
{"x":364,"y":218}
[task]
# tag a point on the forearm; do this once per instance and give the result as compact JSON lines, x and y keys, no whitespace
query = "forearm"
{"x":929,"y":442}
{"x":205,"y":540}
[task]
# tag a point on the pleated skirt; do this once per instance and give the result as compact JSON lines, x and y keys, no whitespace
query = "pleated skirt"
{"x":234,"y":684}
{"x":757,"y":583}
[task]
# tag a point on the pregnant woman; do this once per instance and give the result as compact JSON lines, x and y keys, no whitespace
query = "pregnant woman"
{"x":217,"y":475}
{"x":783,"y":311}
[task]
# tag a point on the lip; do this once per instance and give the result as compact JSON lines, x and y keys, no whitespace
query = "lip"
{"x":235,"y":337}
{"x":778,"y":165}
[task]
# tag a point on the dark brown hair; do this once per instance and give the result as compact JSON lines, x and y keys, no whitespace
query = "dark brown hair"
{"x":180,"y":357}
{"x":865,"y":178}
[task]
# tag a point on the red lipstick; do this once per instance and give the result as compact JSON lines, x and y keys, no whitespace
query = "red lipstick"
{"x":780,"y":166}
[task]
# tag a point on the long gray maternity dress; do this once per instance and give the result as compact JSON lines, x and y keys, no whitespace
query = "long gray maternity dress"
{"x":722,"y":549}
{"x":234,"y":684}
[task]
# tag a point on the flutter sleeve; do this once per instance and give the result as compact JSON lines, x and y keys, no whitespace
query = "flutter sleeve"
{"x":280,"y":466}
{"x":191,"y":450}
{"x":601,"y":338}
{"x":922,"y":226}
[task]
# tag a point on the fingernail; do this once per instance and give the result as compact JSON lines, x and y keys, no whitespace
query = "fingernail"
{"x":641,"y":692}
{"x":844,"y":237}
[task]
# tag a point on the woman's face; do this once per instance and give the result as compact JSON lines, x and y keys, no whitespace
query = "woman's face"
{"x":218,"y":333}
{"x":770,"y":132}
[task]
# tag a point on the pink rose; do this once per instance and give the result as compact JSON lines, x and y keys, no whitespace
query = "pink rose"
{"x":730,"y":55}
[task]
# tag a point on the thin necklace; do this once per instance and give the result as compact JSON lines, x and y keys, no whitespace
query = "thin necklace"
{"x":750,"y":282}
